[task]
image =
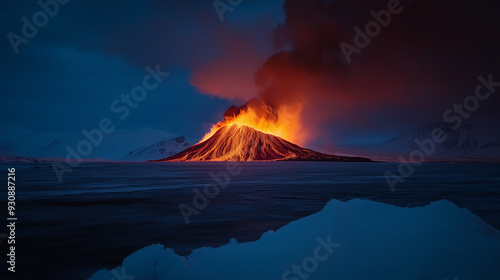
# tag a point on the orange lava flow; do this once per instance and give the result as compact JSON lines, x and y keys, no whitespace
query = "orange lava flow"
{"x":234,"y":142}
{"x":283,"y":122}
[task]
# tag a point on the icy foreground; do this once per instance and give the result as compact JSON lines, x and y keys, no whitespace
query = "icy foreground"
{"x":358,"y":239}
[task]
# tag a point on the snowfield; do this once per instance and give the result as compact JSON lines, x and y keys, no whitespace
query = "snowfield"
{"x":159,"y":150}
{"x":357,"y":239}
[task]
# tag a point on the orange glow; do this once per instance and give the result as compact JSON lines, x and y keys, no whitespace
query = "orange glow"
{"x":283,"y":122}
{"x":256,"y":132}
{"x":234,"y":142}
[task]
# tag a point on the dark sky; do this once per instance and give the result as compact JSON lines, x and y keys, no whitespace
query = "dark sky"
{"x":92,"y":52}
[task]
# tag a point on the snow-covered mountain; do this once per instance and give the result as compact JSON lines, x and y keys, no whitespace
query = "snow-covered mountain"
{"x":16,"y":140}
{"x":458,"y":141}
{"x":21,"y":142}
{"x":468,"y":142}
{"x":114,"y":146}
{"x":465,"y":143}
{"x":158,"y":150}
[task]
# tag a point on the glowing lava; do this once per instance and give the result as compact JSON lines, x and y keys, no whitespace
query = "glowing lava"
{"x":283,"y":122}
{"x":256,"y":131}
{"x":235,"y":142}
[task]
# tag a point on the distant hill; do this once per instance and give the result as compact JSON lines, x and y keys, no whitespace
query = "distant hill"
{"x":25,"y":143}
{"x":158,"y":150}
{"x":466,"y":143}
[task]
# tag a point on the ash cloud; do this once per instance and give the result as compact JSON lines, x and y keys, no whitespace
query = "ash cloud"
{"x":428,"y":57}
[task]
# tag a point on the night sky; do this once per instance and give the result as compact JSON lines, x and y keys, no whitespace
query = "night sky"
{"x":91,"y":52}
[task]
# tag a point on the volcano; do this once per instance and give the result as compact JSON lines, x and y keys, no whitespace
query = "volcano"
{"x":243,"y":143}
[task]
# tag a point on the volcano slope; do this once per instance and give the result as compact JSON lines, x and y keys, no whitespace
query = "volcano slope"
{"x":243,"y":143}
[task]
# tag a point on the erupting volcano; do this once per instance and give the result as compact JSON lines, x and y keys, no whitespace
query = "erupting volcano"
{"x":235,"y":142}
{"x":251,"y":132}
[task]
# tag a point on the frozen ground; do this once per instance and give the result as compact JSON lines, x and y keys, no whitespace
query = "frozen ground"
{"x":103,"y":212}
{"x":358,"y":239}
